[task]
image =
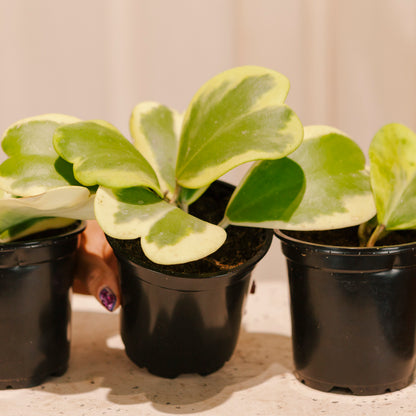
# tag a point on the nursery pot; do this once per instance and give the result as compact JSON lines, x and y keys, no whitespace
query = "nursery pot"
{"x":353,"y":315}
{"x":182,"y":319}
{"x":35,"y":278}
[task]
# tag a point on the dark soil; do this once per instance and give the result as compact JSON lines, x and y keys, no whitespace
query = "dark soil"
{"x":348,"y":237}
{"x":241,"y":245}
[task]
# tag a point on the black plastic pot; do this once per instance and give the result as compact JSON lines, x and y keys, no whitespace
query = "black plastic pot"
{"x":175,"y":322}
{"x":35,"y":278}
{"x":353,"y":315}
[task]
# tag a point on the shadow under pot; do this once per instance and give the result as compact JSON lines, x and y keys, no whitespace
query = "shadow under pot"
{"x":186,"y":318}
{"x":353,"y":314}
{"x":35,"y":278}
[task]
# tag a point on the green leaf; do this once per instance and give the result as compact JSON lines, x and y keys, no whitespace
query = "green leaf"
{"x":393,"y":176}
{"x":73,"y":202}
{"x":128,"y":213}
{"x":271,"y":191}
{"x":236,"y":117}
{"x":155,"y":130}
{"x":188,"y":196}
{"x":33,"y":135}
{"x":32,"y":226}
{"x":33,"y":165}
{"x":168,"y":235}
{"x":101,"y":155}
{"x":180,"y":238}
{"x":336,"y":190}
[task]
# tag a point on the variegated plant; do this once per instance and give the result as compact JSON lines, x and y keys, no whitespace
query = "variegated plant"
{"x":339,"y":190}
{"x":333,"y":187}
{"x":239,"y":116}
{"x":38,"y":190}
{"x":145,"y":188}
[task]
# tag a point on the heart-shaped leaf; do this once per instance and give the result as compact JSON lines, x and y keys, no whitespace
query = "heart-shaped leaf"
{"x":335,"y":192}
{"x":33,"y":165}
{"x":236,"y":117}
{"x":155,"y":130}
{"x":393,"y":176}
{"x":271,"y":191}
{"x":32,"y":226}
{"x":180,"y":238}
{"x":168,"y":234}
{"x":187,"y":196}
{"x":101,"y":155}
{"x":128,"y":213}
{"x":17,"y":215}
{"x":338,"y":192}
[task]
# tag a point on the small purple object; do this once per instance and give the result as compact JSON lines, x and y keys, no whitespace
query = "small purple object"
{"x":108,"y":298}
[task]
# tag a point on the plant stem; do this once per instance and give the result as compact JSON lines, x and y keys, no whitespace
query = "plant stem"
{"x":365,"y":230}
{"x":362,"y":234}
{"x":184,"y":207}
{"x":175,"y":196}
{"x":375,"y":235}
{"x":224,"y":223}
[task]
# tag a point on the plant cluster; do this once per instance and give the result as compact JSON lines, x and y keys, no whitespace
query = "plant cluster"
{"x":60,"y":168}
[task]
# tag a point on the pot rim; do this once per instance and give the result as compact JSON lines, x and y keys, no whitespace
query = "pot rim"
{"x":373,"y":251}
{"x":235,"y":271}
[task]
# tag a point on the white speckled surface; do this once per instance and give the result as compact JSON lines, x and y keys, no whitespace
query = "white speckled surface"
{"x":258,"y":379}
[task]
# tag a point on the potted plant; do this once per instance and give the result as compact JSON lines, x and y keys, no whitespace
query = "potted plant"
{"x":39,"y":208}
{"x":185,"y":267}
{"x":353,"y":286}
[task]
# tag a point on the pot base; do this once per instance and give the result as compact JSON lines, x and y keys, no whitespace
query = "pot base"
{"x":367,"y":390}
{"x":35,"y":380}
{"x":175,"y":369}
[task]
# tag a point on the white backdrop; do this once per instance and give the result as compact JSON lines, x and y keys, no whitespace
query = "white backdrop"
{"x":352,"y":63}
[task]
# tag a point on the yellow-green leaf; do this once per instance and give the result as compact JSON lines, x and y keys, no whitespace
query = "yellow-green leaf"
{"x":33,"y":166}
{"x":128,"y":213}
{"x":323,"y":185}
{"x":236,"y":117}
{"x":168,"y":234}
{"x":71,"y":202}
{"x":155,"y":129}
{"x":180,"y":238}
{"x":393,"y":176}
{"x":101,"y":155}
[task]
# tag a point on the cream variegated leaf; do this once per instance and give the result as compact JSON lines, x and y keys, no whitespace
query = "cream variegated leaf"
{"x":155,"y":130}
{"x":338,"y":192}
{"x":180,"y":238}
{"x":33,"y":135}
{"x":32,"y":226}
{"x":393,"y":176}
{"x":33,"y":166}
{"x":236,"y":117}
{"x":324,"y":184}
{"x":18,"y":214}
{"x":168,"y":234}
{"x":101,"y":155}
{"x":128,"y":213}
